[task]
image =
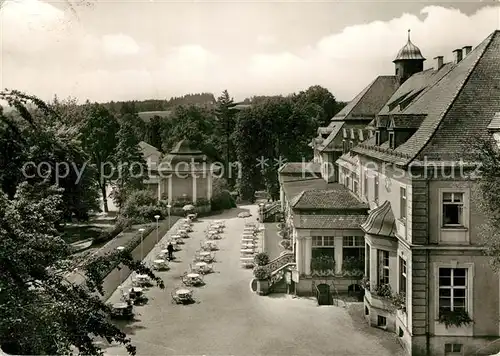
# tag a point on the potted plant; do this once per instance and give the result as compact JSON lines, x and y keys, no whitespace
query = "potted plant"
{"x":323,"y":265}
{"x":262,"y":276}
{"x":456,"y":317}
{"x":261,"y":259}
{"x":352,"y":266}
{"x":399,"y":301}
{"x":383,"y":291}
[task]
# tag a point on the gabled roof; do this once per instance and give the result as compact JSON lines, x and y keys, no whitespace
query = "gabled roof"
{"x":459,"y":102}
{"x":371,"y":99}
{"x":406,"y":121}
{"x":326,"y":144}
{"x":381,"y":221}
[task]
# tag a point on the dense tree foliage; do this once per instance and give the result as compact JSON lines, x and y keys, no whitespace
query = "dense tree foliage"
{"x":44,"y":309}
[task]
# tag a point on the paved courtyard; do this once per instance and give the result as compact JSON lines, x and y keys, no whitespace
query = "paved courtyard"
{"x":229,"y":319}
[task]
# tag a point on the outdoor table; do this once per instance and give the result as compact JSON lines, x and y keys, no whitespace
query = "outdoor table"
{"x":204,"y":253}
{"x":248,"y":240}
{"x":248,"y":250}
{"x":201,"y":264}
{"x":249,"y":244}
{"x":181,"y":231}
{"x":183,"y":292}
{"x":120,"y":306}
{"x":193,"y":275}
{"x":143,"y":277}
{"x":176,"y":236}
{"x":213,"y":232}
{"x":164,"y":252}
{"x":159,"y":261}
{"x":136,"y":290}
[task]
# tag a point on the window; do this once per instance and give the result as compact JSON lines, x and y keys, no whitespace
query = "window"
{"x":344,"y":146}
{"x":402,"y":278}
{"x":354,"y":246}
{"x":453,"y":206}
{"x":377,"y":137}
{"x":402,"y":203}
{"x":323,"y":246}
{"x":323,"y":241}
{"x":375,"y":189}
{"x":365,"y":184}
{"x":452,"y":349}
{"x":391,"y":140}
{"x":367,"y":264}
{"x":355,"y":187}
{"x":351,"y":145}
{"x":383,"y":267}
{"x":381,"y":321}
{"x":348,"y":182}
{"x":452,"y":288}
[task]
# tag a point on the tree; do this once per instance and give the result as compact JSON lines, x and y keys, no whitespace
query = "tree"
{"x":320,"y":103}
{"x":487,"y":195}
{"x":130,"y":164}
{"x":99,"y":139}
{"x":41,"y":146}
{"x":226,"y":113}
{"x":43,"y":312}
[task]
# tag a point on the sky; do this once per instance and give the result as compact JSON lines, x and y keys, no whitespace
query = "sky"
{"x":145,"y":49}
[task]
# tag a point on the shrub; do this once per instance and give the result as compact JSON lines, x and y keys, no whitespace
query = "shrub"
{"x":261,"y":273}
{"x":457,"y":317}
{"x":322,"y":263}
{"x":261,"y":259}
{"x":136,"y":200}
{"x":223,"y":201}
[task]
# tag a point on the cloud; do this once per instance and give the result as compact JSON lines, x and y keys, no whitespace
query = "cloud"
{"x":47,"y":51}
{"x":345,"y":62}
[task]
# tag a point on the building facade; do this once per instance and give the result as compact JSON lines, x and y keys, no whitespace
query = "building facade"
{"x":426,"y":276}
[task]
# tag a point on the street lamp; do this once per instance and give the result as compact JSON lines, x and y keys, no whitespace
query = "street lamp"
{"x":157,"y":217}
{"x":142,"y":247}
{"x":120,"y":249}
{"x":168,"y":211}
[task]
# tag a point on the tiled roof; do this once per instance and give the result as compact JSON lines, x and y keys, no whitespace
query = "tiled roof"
{"x":371,"y":99}
{"x":327,"y":143}
{"x":353,"y":221}
{"x":459,"y":101}
{"x":381,"y":221}
{"x":336,"y":197}
{"x":302,"y":168}
{"x":406,"y":121}
{"x":293,"y":187}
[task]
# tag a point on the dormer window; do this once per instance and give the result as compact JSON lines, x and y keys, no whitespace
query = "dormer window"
{"x":377,"y":138}
{"x":351,"y":145}
{"x":391,"y":140}
{"x":345,"y":147}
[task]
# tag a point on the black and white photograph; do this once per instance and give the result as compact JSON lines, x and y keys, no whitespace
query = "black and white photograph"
{"x":249,"y":178}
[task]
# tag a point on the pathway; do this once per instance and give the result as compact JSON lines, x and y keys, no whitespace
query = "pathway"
{"x":230,"y":319}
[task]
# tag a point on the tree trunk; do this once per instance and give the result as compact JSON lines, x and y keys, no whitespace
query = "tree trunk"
{"x":104,"y":196}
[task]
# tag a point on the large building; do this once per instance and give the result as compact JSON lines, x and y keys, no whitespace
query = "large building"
{"x":426,"y":277}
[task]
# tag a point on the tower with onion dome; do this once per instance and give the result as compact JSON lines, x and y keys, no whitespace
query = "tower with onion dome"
{"x":408,"y":61}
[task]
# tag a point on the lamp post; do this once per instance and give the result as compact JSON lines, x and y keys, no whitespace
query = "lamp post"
{"x":157,"y":217}
{"x":142,"y":247}
{"x":168,"y":211}
{"x":120,"y":250}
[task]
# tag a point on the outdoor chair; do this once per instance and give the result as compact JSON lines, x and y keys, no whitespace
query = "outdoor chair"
{"x":191,"y":279}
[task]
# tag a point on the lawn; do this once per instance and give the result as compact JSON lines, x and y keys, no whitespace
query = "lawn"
{"x":73,"y":233}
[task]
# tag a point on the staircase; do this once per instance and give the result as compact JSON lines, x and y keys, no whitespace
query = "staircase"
{"x":271,"y":211}
{"x":278,"y":267}
{"x":334,"y":297}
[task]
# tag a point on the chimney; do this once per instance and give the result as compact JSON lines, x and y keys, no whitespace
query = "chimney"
{"x":458,"y":55}
{"x":439,"y":62}
{"x":466,"y":50}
